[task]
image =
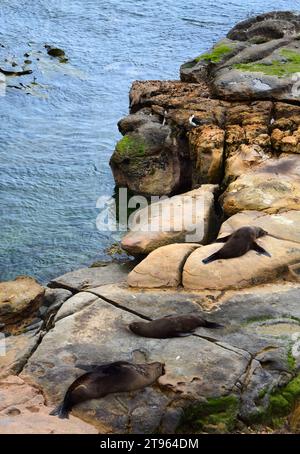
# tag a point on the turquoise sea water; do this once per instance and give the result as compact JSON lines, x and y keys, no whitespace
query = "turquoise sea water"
{"x":56,"y":141}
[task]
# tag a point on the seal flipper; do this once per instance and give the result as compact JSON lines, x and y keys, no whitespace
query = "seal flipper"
{"x":61,"y":411}
{"x":212,"y":325}
{"x":260,"y":250}
{"x":223,"y":239}
{"x":211,"y":258}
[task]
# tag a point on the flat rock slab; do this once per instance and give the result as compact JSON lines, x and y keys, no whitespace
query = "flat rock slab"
{"x":162,"y":267}
{"x":195,"y":367}
{"x":23,"y":411}
{"x":261,"y":326}
{"x":92,"y":277}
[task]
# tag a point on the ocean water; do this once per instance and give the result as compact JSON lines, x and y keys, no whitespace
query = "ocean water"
{"x":57,"y":135}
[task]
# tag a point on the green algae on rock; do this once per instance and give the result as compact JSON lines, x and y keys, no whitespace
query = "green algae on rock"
{"x":217,"y":414}
{"x":131,"y":146}
{"x":280,"y":68}
{"x":217,"y":53}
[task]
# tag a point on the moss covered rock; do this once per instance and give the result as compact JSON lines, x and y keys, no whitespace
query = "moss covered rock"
{"x":259,"y":58}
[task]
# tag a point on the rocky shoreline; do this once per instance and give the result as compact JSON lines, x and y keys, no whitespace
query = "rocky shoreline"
{"x":243,"y":159}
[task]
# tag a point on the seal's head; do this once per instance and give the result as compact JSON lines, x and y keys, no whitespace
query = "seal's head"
{"x":157,"y":368}
{"x":137,"y":327}
{"x":260,"y":232}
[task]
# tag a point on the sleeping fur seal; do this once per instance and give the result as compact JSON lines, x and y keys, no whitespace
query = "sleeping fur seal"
{"x":171,"y":326}
{"x":117,"y":377}
{"x":238,"y":243}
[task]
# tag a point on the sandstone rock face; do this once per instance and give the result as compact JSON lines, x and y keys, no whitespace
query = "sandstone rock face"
{"x":16,"y":351}
{"x":271,"y":186}
{"x":146,"y":160}
{"x":153,"y":157}
{"x":162,"y":267}
{"x":259,"y":58}
{"x":19,"y":298}
{"x":23,"y":411}
{"x":187,"y":217}
{"x":207,"y":146}
{"x":250,"y":268}
{"x":233,"y":370}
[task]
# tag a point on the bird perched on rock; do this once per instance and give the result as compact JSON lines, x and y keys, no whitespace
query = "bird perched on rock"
{"x":196,"y":121}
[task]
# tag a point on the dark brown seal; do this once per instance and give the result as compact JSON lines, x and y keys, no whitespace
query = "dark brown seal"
{"x":117,"y":377}
{"x":171,"y":326}
{"x":238,"y":243}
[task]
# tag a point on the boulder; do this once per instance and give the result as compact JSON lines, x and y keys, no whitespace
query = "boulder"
{"x":23,"y":411}
{"x":162,"y":267}
{"x":91,"y":277}
{"x":19,"y":298}
{"x":258,"y":59}
{"x":271,"y":186}
{"x":17,"y":350}
{"x":173,"y":220}
{"x":146,"y":160}
{"x":251,"y":268}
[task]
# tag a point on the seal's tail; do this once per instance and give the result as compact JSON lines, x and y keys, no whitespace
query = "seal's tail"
{"x":61,"y":411}
{"x":212,"y":325}
{"x":211,"y":258}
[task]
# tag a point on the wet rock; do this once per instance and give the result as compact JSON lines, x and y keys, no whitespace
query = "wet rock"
{"x":23,"y":411}
{"x":259,"y":58}
{"x":162,"y":267}
{"x":55,"y":51}
{"x":173,"y":220}
{"x":19,"y":299}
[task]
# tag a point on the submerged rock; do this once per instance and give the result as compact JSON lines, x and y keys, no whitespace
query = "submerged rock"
{"x":55,"y":51}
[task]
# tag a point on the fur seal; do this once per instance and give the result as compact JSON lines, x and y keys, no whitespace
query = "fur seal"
{"x":238,"y":243}
{"x":116,"y":377}
{"x":171,"y":326}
